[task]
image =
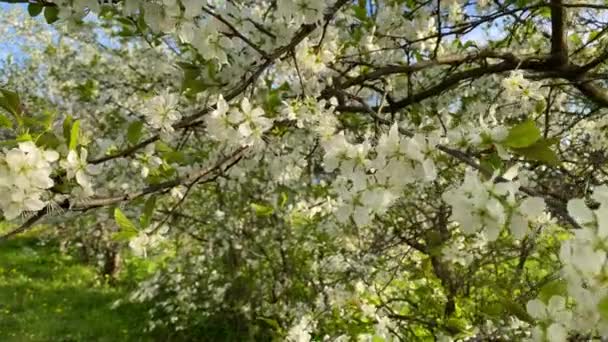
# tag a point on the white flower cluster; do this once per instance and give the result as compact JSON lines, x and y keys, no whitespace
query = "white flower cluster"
{"x":298,"y":12}
{"x":554,"y":315}
{"x":488,"y":206}
{"x":78,"y":168}
{"x":421,"y":26}
{"x":244,"y":126}
{"x":369,"y":185}
{"x":25,"y":175}
{"x":585,"y":271}
{"x":147,"y":161}
{"x":516,"y":86}
{"x":161,"y":111}
{"x":301,"y":332}
{"x":207,"y":40}
{"x":144,"y":242}
{"x":479,"y":133}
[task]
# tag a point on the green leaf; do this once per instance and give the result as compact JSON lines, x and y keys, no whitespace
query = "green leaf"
{"x":162,"y":147}
{"x":262,"y":210}
{"x":282,"y":200}
{"x":39,"y":122}
{"x":67,"y":128}
{"x":178,"y":157}
{"x":377,"y":338}
{"x":553,"y":288}
{"x":602,"y":308}
{"x":540,"y":151}
{"x":34,"y":9}
{"x":192,"y":83}
{"x":575,"y":39}
{"x":517,"y":310}
{"x":271,"y":322}
{"x":10,"y":102}
{"x":545,"y":12}
{"x":128,"y":229}
{"x":48,"y":140}
{"x":523,"y":135}
{"x":74,"y":133}
{"x":51,"y":14}
{"x":360,"y":12}
{"x":5,"y":122}
{"x":494,"y":309}
{"x":455,"y":325}
{"x":148,"y":212}
{"x":540,"y":106}
{"x":134,"y":132}
{"x":492,"y":162}
{"x":24,"y":137}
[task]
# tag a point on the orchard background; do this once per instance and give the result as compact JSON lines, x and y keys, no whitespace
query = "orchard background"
{"x":304,"y":170}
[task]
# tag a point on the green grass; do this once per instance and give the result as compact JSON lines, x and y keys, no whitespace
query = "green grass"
{"x":48,"y":296}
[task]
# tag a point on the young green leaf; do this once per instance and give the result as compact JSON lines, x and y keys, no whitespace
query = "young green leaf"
{"x":539,"y":151}
{"x":51,"y":14}
{"x":602,"y":307}
{"x":5,"y":122}
{"x":10,"y":102}
{"x":67,"y":128}
{"x":74,"y":134}
{"x":492,"y":162}
{"x":262,"y":210}
{"x":148,"y":212}
{"x":134,"y":132}
{"x":34,"y":9}
{"x":553,"y":288}
{"x":128,"y":229}
{"x":48,"y":140}
{"x":523,"y":135}
{"x":517,"y":310}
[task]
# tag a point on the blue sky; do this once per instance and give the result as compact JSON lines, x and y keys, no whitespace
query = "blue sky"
{"x":7,"y":48}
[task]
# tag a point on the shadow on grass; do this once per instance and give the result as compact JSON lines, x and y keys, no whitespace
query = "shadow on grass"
{"x":46,"y":296}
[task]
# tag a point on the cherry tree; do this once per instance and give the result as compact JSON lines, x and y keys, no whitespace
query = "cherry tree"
{"x":394,"y":170}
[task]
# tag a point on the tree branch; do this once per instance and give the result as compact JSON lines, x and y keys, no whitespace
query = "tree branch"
{"x":559,"y":43}
{"x":196,"y":177}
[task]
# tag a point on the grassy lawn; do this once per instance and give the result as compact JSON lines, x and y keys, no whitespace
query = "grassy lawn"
{"x":47,"y":296}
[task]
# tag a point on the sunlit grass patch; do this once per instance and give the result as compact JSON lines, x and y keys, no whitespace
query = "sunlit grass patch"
{"x":48,"y":296}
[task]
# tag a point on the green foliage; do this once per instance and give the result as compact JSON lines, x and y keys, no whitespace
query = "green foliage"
{"x":10,"y":102}
{"x":134,"y":132}
{"x":192,"y":83}
{"x":540,"y":151}
{"x":602,"y":307}
{"x":525,"y":139}
{"x":34,"y":9}
{"x":67,"y":128}
{"x":51,"y":14}
{"x":148,"y":211}
{"x":517,"y":310}
{"x":48,"y":140}
{"x":492,"y":162}
{"x":74,"y":135}
{"x":554,"y":288}
{"x":48,"y":296}
{"x":5,"y":122}
{"x":262,"y":210}
{"x":128,"y":230}
{"x":523,"y":135}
